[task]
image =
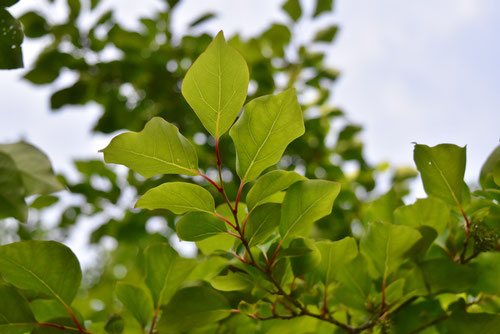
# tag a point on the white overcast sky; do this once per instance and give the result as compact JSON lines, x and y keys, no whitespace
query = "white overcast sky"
{"x":412,"y":71}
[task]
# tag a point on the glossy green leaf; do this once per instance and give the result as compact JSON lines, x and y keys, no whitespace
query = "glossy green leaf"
{"x":34,"y":167}
{"x":293,"y":9}
{"x":327,"y":34}
{"x":387,"y":246}
{"x":12,"y":202}
{"x":323,"y":6}
{"x":305,"y":202}
{"x":16,"y":316}
{"x":236,"y":281}
{"x":10,"y":41}
{"x":262,"y":221}
{"x":158,"y":149}
{"x":193,"y":307}
{"x":334,"y":255}
{"x":216,"y":86}
{"x":165,"y":271}
{"x":197,"y":226}
{"x":442,"y":168}
{"x":269,"y":184}
{"x":178,"y":197}
{"x":425,"y":212}
{"x":44,"y":267}
{"x":264,"y":130}
{"x":137,"y":301}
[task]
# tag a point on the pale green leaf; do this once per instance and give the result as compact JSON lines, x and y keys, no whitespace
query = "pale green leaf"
{"x":334,"y":255}
{"x":219,"y":242}
{"x":264,"y":130}
{"x":137,"y":301}
{"x":233,"y":281}
{"x":158,"y":149}
{"x":442,"y":168}
{"x":16,"y":316}
{"x":12,"y":202}
{"x":193,"y":307}
{"x":34,"y":167}
{"x":196,"y":226}
{"x":45,"y":267}
{"x":165,"y":271}
{"x":269,"y":184}
{"x":386,"y":246}
{"x":305,"y":202}
{"x":262,"y":221}
{"x":429,"y":212}
{"x":354,"y":283}
{"x":216,"y":86}
{"x":178,"y":197}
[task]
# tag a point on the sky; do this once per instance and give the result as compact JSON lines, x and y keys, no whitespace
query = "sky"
{"x":412,"y":71}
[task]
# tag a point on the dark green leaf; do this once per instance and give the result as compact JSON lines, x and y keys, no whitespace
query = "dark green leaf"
{"x":11,"y":37}
{"x":158,"y":149}
{"x":323,"y":6}
{"x":266,"y":127}
{"x":200,"y":20}
{"x":443,"y":275}
{"x":34,"y":24}
{"x":293,"y":9}
{"x":114,"y":325}
{"x":327,"y":34}
{"x":11,"y":190}
{"x":16,"y":316}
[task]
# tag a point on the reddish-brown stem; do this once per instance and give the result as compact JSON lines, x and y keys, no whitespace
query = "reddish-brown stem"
{"x":212,"y":182}
{"x":57,"y":326}
{"x":155,"y":319}
{"x":324,"y":309}
{"x":275,"y":254}
{"x":224,"y":219}
{"x":383,"y":302}
{"x":238,"y":196}
{"x":75,"y":320}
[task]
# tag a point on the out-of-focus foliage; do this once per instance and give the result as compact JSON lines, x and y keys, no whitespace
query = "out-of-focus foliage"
{"x":11,"y":37}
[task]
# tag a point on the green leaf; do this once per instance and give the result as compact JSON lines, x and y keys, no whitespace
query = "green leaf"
{"x":34,"y":24}
{"x":307,"y":256}
{"x":16,"y":316}
{"x":165,"y":272}
{"x":381,"y":209}
{"x":236,"y":281}
{"x":425,"y":212}
{"x":178,"y":197}
{"x":269,"y":184}
{"x":137,"y":301}
{"x":219,"y":242}
{"x":386,"y":246}
{"x":463,"y":322}
{"x":216,"y":86}
{"x":158,"y":149}
{"x":293,"y":9}
{"x":262,"y":221}
{"x":74,"y":9}
{"x":323,"y":6}
{"x":354,"y":283}
{"x":443,"y":275}
{"x":34,"y":167}
{"x":45,"y":267}
{"x":12,"y":202}
{"x":334,"y":256}
{"x":264,"y":130}
{"x":490,"y":172}
{"x":7,"y":3}
{"x":305,"y":202}
{"x":114,"y":325}
{"x":10,"y":41}
{"x":202,"y":19}
{"x":197,"y":226}
{"x":442,"y":168}
{"x":193,"y":307}
{"x":327,"y":34}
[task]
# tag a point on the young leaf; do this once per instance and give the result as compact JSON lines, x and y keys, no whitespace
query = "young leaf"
{"x":442,"y":168}
{"x":197,"y":226}
{"x":137,"y":301}
{"x":216,"y":86}
{"x":34,"y":167}
{"x":178,"y":197}
{"x":334,"y":255}
{"x":262,"y":221}
{"x":12,"y":202}
{"x":165,"y":272}
{"x":429,"y":212}
{"x":266,"y":127}
{"x":305,"y":202}
{"x":269,"y":184}
{"x":44,"y":267}
{"x":16,"y":316}
{"x":193,"y":307}
{"x":386,"y":246}
{"x":158,"y":149}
